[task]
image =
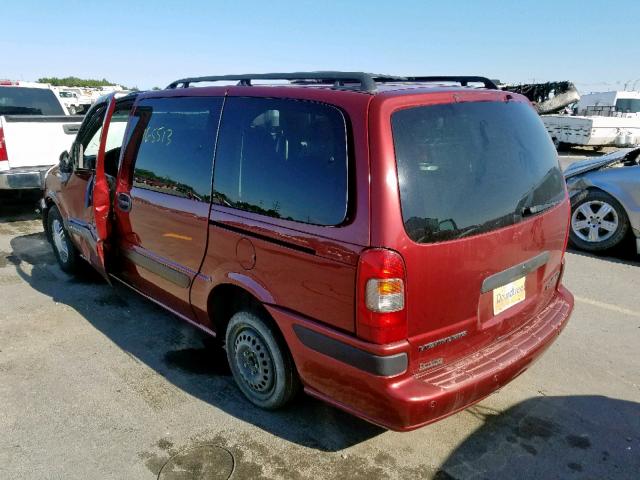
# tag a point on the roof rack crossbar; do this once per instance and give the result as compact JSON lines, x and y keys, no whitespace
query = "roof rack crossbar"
{"x":462,"y":80}
{"x":339,"y":80}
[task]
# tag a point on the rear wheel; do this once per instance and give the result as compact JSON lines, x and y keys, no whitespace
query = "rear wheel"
{"x":63,"y":248}
{"x":260,"y":362}
{"x":598,"y":222}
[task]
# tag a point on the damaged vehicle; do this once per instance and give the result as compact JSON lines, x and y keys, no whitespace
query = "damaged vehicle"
{"x":392,"y":245}
{"x":605,"y":200}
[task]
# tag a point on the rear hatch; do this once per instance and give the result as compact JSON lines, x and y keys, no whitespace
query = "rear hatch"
{"x":485,"y":218}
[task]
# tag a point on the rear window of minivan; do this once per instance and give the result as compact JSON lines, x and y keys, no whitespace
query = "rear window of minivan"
{"x":469,"y":168}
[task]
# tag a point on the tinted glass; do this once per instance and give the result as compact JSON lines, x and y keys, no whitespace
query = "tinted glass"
{"x":28,"y":101}
{"x":176,"y":143}
{"x":628,"y":105}
{"x":468,"y":168}
{"x":283,"y":158}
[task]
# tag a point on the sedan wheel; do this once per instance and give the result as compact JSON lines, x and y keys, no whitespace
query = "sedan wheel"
{"x":598,"y":222}
{"x":594,"y":221}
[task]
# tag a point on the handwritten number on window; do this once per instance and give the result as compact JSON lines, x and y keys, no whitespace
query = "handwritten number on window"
{"x":159,"y":135}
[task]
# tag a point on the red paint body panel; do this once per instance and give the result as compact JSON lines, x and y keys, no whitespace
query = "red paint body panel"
{"x":320,"y":285}
{"x":409,"y":401}
{"x":178,"y":241}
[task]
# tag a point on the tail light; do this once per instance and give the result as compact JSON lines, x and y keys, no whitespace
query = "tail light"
{"x":381,"y":296}
{"x":3,"y":147}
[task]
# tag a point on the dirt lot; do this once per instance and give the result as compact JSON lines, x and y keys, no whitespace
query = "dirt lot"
{"x":96,"y":382}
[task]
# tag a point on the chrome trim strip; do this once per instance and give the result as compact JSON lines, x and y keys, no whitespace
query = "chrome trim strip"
{"x":510,"y":274}
{"x":158,"y":267}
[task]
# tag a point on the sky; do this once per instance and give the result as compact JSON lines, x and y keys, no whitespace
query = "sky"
{"x":595,"y":44}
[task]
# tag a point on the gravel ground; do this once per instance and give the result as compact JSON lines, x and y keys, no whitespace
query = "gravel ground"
{"x":96,"y":382}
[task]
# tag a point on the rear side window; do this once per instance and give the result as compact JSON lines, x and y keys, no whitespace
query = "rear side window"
{"x":29,"y":101}
{"x":284,"y":159}
{"x":176,"y":139}
{"x":468,"y":168}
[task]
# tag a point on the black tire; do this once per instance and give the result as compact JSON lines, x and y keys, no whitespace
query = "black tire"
{"x":560,"y":146}
{"x":260,"y":362}
{"x":70,"y":259}
{"x":617,"y":213}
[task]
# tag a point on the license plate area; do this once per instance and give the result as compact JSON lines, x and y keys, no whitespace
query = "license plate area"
{"x":508,"y":295}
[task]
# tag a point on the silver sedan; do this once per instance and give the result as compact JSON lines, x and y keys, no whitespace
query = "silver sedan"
{"x":605,"y":200}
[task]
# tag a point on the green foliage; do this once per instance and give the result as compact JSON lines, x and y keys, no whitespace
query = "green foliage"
{"x":75,"y":82}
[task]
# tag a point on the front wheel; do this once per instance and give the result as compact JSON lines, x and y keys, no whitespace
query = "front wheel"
{"x":598,"y":222}
{"x":65,"y":251}
{"x":261,"y":364}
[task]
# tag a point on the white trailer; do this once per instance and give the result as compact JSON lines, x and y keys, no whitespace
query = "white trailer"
{"x":611,"y":104}
{"x":593,"y":131}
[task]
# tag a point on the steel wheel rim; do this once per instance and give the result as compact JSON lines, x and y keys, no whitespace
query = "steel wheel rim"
{"x":59,"y":240}
{"x":594,"y":221}
{"x":254,"y":362}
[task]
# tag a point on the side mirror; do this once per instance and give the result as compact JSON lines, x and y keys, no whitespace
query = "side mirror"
{"x":65,"y":162}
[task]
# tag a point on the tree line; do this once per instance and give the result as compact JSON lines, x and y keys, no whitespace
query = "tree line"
{"x":77,"y":82}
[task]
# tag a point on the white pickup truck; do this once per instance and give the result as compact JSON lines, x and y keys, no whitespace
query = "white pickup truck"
{"x":35,"y":128}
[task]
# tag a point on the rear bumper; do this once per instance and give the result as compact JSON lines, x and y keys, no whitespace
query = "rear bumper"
{"x":405,"y":401}
{"x":23,"y":178}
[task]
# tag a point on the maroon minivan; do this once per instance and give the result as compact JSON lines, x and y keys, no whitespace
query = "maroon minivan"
{"x":393,"y":245}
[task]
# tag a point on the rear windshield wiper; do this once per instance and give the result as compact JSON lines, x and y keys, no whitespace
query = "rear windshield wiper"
{"x":534,"y":209}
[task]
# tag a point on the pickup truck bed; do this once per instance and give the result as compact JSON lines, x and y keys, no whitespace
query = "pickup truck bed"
{"x":32,"y":145}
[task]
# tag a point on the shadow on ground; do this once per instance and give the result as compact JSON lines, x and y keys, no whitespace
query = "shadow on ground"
{"x":19,"y":205}
{"x":624,"y":253}
{"x":551,"y":437}
{"x":179,"y":352}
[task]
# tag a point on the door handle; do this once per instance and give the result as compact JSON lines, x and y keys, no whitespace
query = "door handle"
{"x":124,"y":202}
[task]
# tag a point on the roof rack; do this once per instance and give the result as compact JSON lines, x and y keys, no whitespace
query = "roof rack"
{"x":462,"y":80}
{"x":340,"y":80}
